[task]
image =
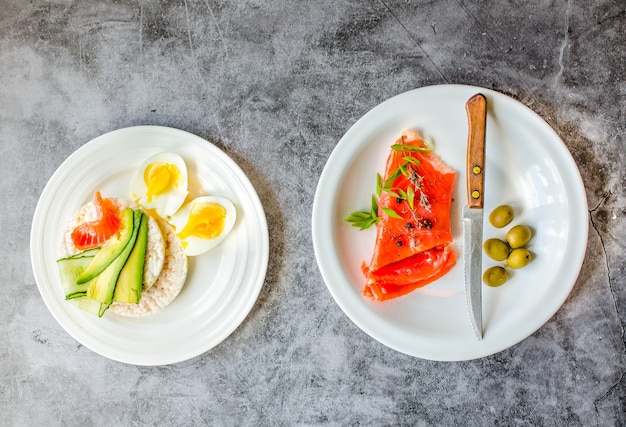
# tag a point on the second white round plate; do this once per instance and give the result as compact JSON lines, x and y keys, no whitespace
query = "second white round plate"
{"x":222,"y":285}
{"x":527,"y":166}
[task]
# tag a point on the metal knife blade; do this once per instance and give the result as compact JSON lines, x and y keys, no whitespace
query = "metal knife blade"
{"x":476,"y":109}
{"x":472,"y":259}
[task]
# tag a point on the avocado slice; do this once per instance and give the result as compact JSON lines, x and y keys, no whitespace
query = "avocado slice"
{"x":130,"y":280}
{"x":102,"y":288}
{"x":112,"y":250}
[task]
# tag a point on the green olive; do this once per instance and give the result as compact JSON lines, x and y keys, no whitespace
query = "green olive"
{"x":518,"y":236}
{"x":496,"y":249}
{"x":501,"y":216}
{"x":518,"y":258}
{"x":495,"y":276}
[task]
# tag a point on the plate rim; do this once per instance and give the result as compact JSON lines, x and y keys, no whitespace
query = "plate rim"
{"x":247,"y":301}
{"x":320,"y":242}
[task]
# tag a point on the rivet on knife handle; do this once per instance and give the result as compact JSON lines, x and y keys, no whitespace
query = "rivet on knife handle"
{"x":476,"y":109}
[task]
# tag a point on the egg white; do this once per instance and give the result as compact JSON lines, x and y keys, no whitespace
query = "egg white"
{"x":196,"y":245}
{"x":168,"y":203}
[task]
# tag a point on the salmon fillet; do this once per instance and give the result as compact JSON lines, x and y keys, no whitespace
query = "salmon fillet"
{"x":414,"y":232}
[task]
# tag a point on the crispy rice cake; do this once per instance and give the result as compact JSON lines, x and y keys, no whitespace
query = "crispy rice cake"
{"x":165,"y":267}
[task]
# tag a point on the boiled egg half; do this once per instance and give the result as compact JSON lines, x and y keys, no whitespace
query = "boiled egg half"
{"x":160,"y":183}
{"x":203,"y":223}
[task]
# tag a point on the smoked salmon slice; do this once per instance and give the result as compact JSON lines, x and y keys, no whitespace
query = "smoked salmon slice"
{"x":413,"y":232}
{"x":93,"y":234}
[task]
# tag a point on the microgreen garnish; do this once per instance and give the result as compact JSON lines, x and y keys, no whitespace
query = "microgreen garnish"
{"x":411,"y":148}
{"x":379,"y":184}
{"x":391,"y":213}
{"x":402,"y":193}
{"x":393,"y":193}
{"x":364,"y":220}
{"x":412,"y":160}
{"x":410,"y":196}
{"x":374,"y":207}
{"x":392,"y":178}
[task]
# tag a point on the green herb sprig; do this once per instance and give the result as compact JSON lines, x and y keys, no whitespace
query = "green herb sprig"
{"x":364,"y":220}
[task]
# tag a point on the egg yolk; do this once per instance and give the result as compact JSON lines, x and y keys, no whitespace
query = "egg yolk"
{"x":206,"y":221}
{"x":160,"y":177}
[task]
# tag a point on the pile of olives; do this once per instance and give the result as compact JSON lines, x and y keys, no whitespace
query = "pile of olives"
{"x":512,"y":249}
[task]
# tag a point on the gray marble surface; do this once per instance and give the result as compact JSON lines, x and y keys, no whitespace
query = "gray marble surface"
{"x":275,"y":84}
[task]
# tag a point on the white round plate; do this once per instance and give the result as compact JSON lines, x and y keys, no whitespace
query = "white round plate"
{"x":222,"y":285}
{"x":527,"y":166}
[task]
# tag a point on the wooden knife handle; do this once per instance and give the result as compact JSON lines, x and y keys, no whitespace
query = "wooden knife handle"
{"x":476,"y":109}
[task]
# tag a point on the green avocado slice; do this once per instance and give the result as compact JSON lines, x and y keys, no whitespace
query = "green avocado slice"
{"x":102,"y":288}
{"x":108,"y":253}
{"x":130,"y":280}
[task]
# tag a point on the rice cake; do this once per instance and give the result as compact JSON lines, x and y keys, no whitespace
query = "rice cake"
{"x":169,"y":283}
{"x":155,"y":252}
{"x":165,"y":267}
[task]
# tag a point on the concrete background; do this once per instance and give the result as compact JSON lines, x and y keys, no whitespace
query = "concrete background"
{"x":275,"y":84}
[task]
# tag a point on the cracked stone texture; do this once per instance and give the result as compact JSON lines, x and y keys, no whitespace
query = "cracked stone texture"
{"x":276,"y":84}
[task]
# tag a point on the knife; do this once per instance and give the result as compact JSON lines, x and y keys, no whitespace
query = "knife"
{"x":476,"y":109}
